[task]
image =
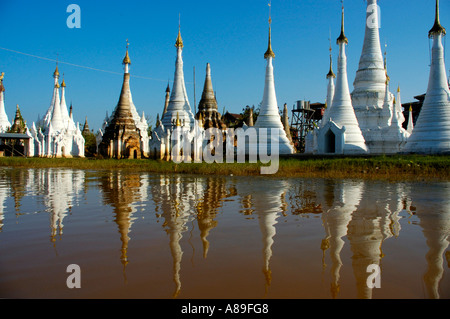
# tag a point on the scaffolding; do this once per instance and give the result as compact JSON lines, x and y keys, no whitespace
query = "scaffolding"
{"x":305,"y":118}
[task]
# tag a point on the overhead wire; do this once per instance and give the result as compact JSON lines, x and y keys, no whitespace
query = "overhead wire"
{"x":77,"y":65}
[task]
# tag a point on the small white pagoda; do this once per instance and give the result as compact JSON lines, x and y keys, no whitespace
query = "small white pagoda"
{"x":339,"y":132}
{"x":57,"y":135}
{"x":269,"y":117}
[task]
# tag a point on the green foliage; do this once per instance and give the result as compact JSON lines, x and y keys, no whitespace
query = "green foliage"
{"x":90,"y":144}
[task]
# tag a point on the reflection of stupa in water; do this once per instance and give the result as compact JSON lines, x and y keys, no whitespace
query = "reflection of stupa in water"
{"x":374,"y":221}
{"x":121,"y":191}
{"x":267,"y":203}
{"x":207,"y":207}
{"x":60,"y":190}
{"x":3,"y":196}
{"x":62,"y":186}
{"x":433,"y":210}
{"x":174,"y":201}
{"x":347,"y":196}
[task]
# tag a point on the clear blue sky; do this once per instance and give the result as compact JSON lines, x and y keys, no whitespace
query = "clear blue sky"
{"x":231,"y":35}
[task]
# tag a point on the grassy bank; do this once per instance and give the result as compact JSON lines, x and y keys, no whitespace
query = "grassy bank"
{"x":385,"y":167}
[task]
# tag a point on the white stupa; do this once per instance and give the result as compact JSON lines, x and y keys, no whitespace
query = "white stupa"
{"x":4,"y":122}
{"x":269,"y":116}
{"x":179,"y":102}
{"x":373,"y":108}
{"x":340,"y":134}
{"x":330,"y":91}
{"x":58,"y":135}
{"x":177,"y":122}
{"x":431,"y":134}
{"x":410,"y":126}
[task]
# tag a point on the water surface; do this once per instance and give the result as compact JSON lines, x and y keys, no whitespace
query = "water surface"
{"x":141,"y":235}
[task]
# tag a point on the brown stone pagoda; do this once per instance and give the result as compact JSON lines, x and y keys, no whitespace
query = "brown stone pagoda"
{"x":121,"y":138}
{"x":207,"y":108}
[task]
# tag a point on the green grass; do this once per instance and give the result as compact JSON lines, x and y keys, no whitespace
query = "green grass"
{"x":385,"y":167}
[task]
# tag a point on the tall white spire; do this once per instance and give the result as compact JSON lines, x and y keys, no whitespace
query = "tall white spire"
{"x":410,"y":126}
{"x":269,"y":116}
{"x":64,"y":111}
{"x":330,"y":76}
{"x":56,"y":119}
{"x":55,"y":96}
{"x":4,"y":122}
{"x":400,"y":118}
{"x":371,"y":75}
{"x":330,"y":90}
{"x":179,"y":102}
{"x":341,"y":134}
{"x":431,"y":135}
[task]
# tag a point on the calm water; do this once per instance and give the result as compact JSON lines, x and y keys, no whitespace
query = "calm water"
{"x":140,"y":235}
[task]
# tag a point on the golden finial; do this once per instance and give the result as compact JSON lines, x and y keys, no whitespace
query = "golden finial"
{"x":410,"y":108}
{"x":331,"y":73}
{"x":56,"y":73}
{"x":269,"y":52}
{"x":342,"y":38}
{"x":178,"y":122}
{"x":126,"y":59}
{"x":2,"y":76}
{"x":437,"y":27}
{"x":179,"y":43}
{"x":63,"y":84}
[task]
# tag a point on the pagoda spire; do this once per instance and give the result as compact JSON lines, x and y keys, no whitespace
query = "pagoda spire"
{"x":56,"y":73}
{"x":179,"y":42}
{"x":341,"y":113}
{"x":63,"y":105}
{"x":207,"y":107}
{"x":269,"y":52}
{"x":342,"y":38}
{"x":178,"y":102}
{"x":126,"y":60}
{"x":269,"y":116}
{"x":431,"y":134}
{"x":330,"y":90}
{"x":48,"y":116}
{"x":330,"y":72}
{"x":4,"y":122}
{"x":56,"y":118}
{"x":371,"y":74}
{"x":167,"y":99}
{"x":121,"y":132}
{"x":410,"y":127}
{"x":437,"y":27}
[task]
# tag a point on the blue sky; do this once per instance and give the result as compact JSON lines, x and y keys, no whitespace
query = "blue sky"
{"x":230,"y":35}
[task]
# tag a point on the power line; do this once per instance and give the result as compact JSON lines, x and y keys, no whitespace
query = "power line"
{"x":77,"y":65}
